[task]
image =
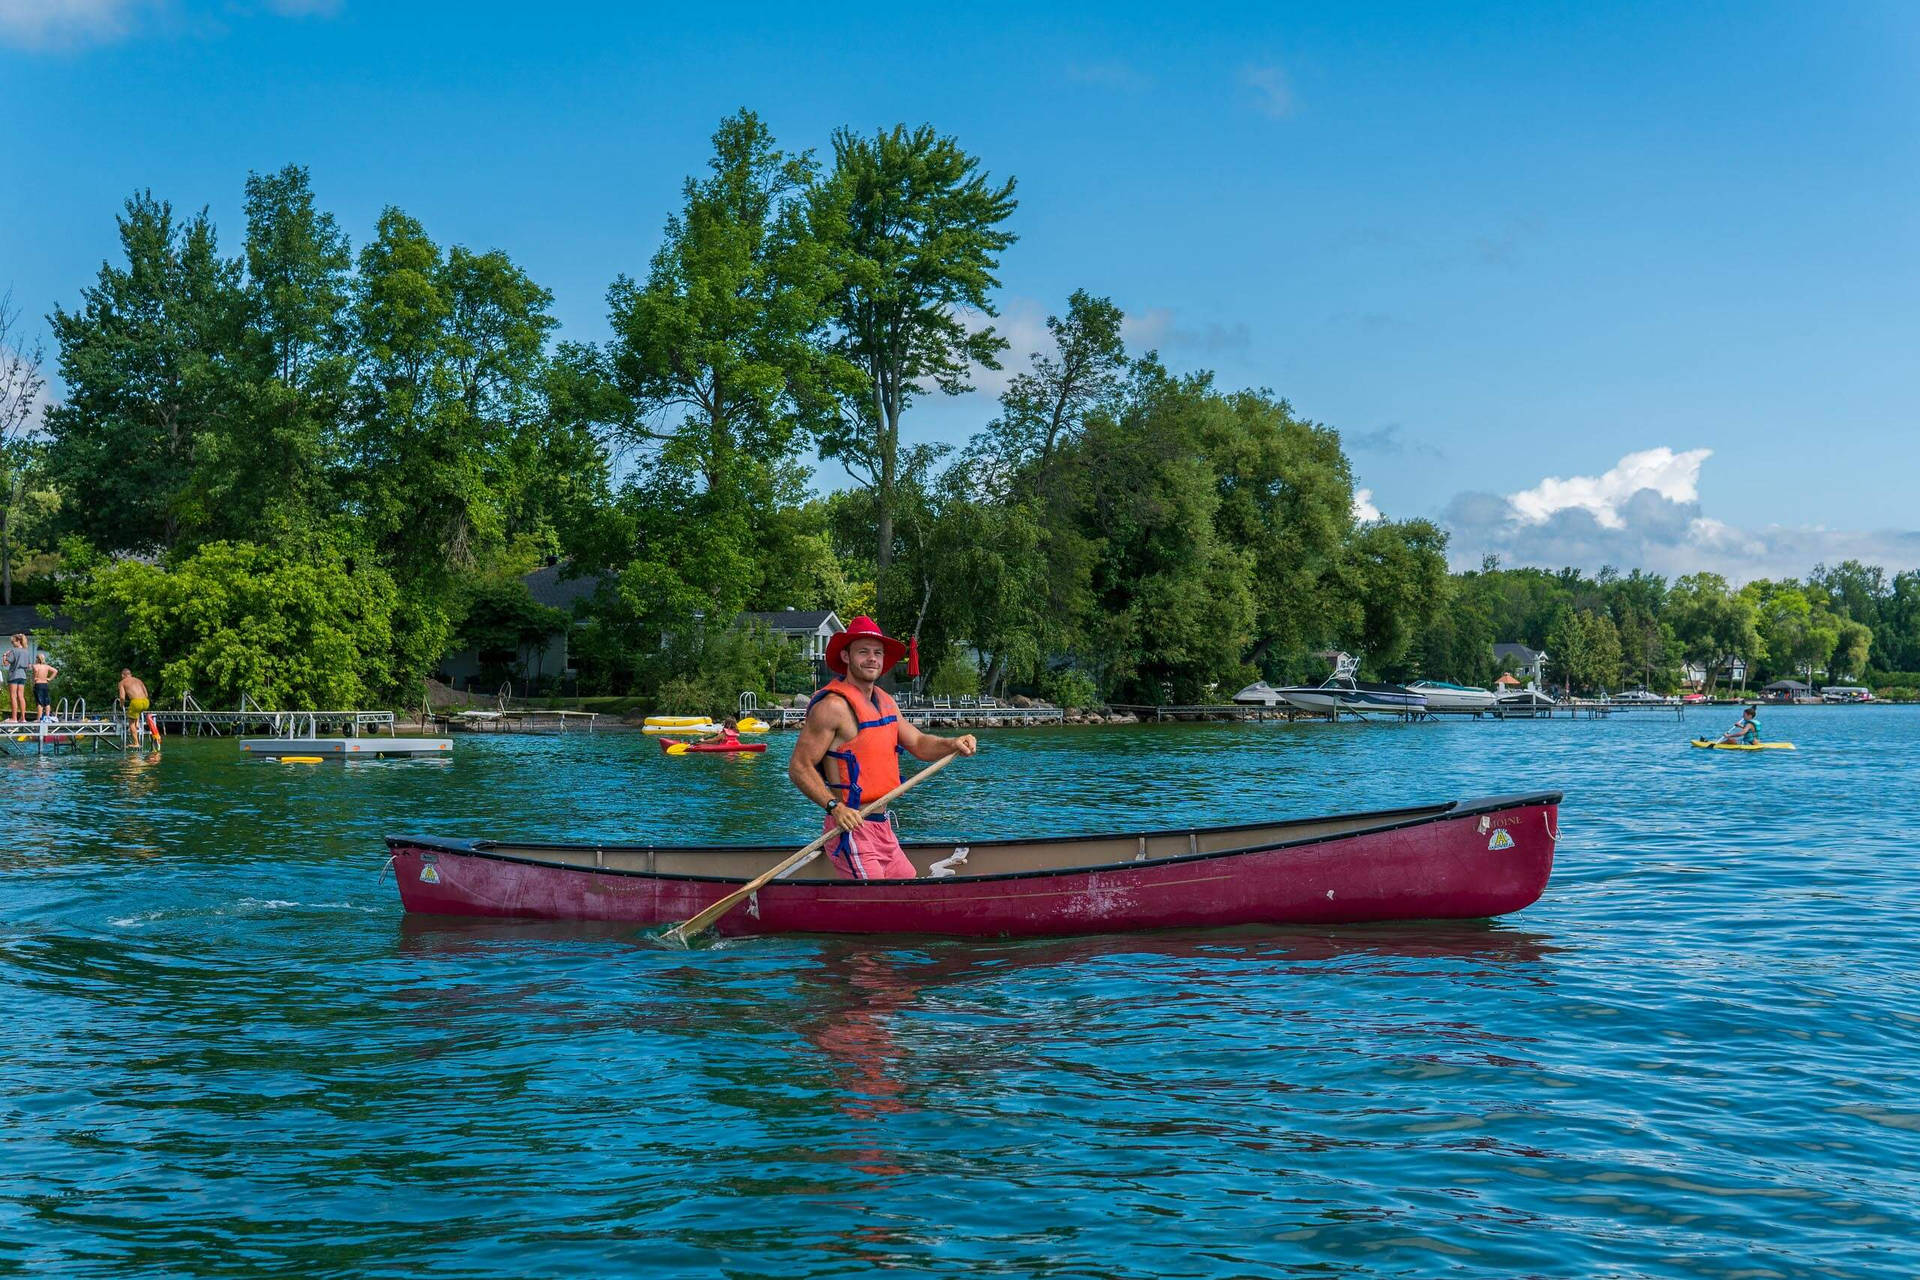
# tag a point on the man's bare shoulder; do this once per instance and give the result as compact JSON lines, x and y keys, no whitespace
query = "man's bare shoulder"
{"x":830,"y":713}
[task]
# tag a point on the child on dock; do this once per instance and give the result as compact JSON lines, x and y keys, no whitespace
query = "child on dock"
{"x":44,"y":674}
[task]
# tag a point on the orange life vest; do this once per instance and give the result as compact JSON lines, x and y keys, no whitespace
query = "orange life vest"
{"x":868,"y":767}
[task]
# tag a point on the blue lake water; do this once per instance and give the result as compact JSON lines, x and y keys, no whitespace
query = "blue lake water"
{"x":227,"y":1053}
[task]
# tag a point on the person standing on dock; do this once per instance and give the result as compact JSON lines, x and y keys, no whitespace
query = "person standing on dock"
{"x":18,"y":661}
{"x":44,"y":674}
{"x":848,"y":752}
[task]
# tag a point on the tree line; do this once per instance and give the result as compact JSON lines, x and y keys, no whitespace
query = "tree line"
{"x":292,"y":470}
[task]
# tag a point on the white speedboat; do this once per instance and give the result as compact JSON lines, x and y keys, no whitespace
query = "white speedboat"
{"x":1260,"y":694}
{"x":1454,"y":698}
{"x":1341,"y":692}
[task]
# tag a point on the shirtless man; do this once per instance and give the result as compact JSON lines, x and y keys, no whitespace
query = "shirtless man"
{"x":132,"y":691}
{"x":847,"y":755}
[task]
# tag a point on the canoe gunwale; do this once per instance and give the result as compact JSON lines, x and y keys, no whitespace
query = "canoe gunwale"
{"x":1450,"y":811}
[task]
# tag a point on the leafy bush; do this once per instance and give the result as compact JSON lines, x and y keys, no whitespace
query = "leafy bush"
{"x":957,"y":676}
{"x":292,"y":631}
{"x":1071,"y":688}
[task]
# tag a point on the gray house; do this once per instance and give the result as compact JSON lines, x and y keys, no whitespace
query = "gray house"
{"x":547,"y":659}
{"x":1529,"y":664}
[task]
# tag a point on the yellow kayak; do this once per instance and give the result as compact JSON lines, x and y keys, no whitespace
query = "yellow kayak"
{"x":678,"y":721}
{"x":1744,"y":746}
{"x":697,"y":726}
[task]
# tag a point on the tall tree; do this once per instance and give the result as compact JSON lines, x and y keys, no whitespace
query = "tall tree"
{"x":266,"y":472}
{"x":145,"y":362}
{"x":915,"y":232}
{"x":1046,"y":407}
{"x":20,"y":386}
{"x":452,"y":366}
{"x":718,"y":350}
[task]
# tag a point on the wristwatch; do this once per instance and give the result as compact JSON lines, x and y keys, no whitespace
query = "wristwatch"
{"x":833,"y":804}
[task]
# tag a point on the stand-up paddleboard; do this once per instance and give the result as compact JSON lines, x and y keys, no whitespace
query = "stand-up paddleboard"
{"x":1744,"y":746}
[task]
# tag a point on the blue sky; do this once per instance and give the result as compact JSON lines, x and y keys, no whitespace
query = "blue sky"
{"x":1667,"y":256}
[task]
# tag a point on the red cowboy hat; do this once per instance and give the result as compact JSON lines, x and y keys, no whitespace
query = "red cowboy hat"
{"x":862,"y":628}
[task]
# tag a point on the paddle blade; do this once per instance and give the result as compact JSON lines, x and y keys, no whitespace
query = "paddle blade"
{"x":676,"y":748}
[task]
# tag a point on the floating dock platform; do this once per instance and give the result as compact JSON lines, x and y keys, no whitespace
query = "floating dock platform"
{"x":346,"y":748}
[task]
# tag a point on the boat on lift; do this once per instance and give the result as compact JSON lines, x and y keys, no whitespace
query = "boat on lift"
{"x":1456,"y":699}
{"x":1342,"y":692}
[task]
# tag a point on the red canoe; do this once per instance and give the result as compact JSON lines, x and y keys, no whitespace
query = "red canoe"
{"x":709,"y":748}
{"x":1446,"y":861}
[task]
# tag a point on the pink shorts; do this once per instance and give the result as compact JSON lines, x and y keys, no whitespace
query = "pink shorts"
{"x":871,"y":853}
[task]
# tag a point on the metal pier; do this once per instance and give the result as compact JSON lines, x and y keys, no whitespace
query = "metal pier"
{"x":67,"y":730}
{"x":191,"y":718}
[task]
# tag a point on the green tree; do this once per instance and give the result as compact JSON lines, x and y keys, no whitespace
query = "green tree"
{"x":20,"y":386}
{"x":1713,"y":624}
{"x":915,"y":234}
{"x":1046,"y":407}
{"x":717,"y":350}
{"x":144,"y":360}
{"x":264,"y":469}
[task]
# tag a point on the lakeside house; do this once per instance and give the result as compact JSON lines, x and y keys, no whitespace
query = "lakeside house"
{"x":1529,"y":664}
{"x":1694,"y":675}
{"x":27,"y":620}
{"x":546,"y":659}
{"x":807,"y":629}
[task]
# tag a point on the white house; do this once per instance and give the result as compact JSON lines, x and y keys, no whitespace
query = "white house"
{"x":1695,"y":675}
{"x":808,"y":629}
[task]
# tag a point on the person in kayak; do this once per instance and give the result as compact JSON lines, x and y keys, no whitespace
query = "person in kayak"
{"x":729,"y":733}
{"x":847,"y":754}
{"x":1746,"y":730}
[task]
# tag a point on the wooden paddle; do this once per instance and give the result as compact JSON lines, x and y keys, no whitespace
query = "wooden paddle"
{"x":680,"y":933}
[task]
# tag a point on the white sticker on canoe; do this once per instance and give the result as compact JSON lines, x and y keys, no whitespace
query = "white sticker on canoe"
{"x":1501,"y":840}
{"x":429,"y":875}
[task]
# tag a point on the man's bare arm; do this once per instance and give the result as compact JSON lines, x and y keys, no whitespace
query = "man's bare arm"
{"x":826,"y":720}
{"x":928,"y":747}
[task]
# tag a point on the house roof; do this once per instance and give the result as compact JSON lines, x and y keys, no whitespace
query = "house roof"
{"x":1515,"y":651}
{"x":25,"y":618}
{"x":1782,"y":686}
{"x":553,"y":587}
{"x":791,"y":620}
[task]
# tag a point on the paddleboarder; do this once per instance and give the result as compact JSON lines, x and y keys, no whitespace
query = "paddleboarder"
{"x":848,"y":752}
{"x":1746,"y":729}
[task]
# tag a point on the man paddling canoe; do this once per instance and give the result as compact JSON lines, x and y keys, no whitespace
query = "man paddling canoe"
{"x":848,"y":752}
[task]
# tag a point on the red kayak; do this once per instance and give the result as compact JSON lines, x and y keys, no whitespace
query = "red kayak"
{"x":1445,"y":861}
{"x":711,"y":748}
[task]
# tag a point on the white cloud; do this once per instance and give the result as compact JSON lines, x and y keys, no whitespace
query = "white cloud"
{"x":1272,"y":94}
{"x":1644,"y":513}
{"x":42,"y":24}
{"x":1023,"y":323}
{"x":1674,"y":476}
{"x":1363,"y":509}
{"x":37,"y":24}
{"x":1117,"y":74}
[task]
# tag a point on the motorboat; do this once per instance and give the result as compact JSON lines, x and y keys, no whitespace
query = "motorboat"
{"x":1341,"y":692}
{"x":1454,"y":698}
{"x":1452,"y":860}
{"x":1524,"y":704}
{"x":1259,"y":694}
